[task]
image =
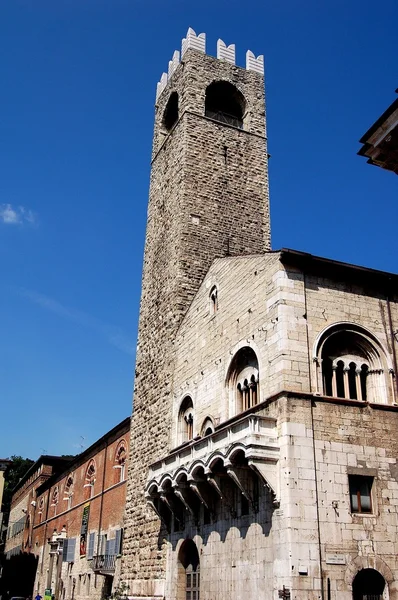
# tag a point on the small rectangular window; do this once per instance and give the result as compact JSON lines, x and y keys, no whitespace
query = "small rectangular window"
{"x":360,"y":493}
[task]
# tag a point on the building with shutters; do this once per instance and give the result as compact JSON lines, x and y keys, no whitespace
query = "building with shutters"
{"x":265,"y":422}
{"x":18,"y":545}
{"x":77,"y":524}
{"x":66,"y":522}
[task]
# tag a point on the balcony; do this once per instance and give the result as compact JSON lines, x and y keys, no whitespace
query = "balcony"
{"x":196,"y":472}
{"x":104,"y":564}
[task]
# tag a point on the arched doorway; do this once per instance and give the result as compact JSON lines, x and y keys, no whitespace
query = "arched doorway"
{"x":368,"y":584}
{"x":189,"y":577}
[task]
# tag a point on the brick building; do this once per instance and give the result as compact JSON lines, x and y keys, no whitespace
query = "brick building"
{"x":18,"y":556}
{"x":77,"y":527}
{"x":265,"y":421}
{"x":66,"y":521}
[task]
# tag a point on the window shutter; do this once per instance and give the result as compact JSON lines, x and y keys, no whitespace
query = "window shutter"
{"x":65,"y":551}
{"x":70,"y":556}
{"x":118,"y":541}
{"x":91,"y":544}
{"x":110,"y":547}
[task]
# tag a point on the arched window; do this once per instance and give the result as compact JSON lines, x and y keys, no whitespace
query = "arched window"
{"x":120,"y":460}
{"x":207,"y":427}
{"x":188,"y":572}
{"x":185,"y":420}
{"x":225,"y":103}
{"x":54,"y":499}
{"x":69,"y":492}
{"x":170,"y":116}
{"x":89,"y":480}
{"x":213,"y":296}
{"x":40,"y":509}
{"x":353,"y":365}
{"x":243,"y":380}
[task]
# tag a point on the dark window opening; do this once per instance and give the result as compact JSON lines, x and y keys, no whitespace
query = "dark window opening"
{"x":360,"y":493}
{"x":352,"y":381}
{"x":213,"y":301}
{"x":170,"y":116}
{"x":244,"y":505}
{"x":363,"y":375}
{"x":340,"y":379}
{"x":206,"y":516}
{"x":327,"y":376}
{"x":225,"y":103}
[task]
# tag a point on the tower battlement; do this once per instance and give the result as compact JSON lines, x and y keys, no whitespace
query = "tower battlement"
{"x":198,"y":43}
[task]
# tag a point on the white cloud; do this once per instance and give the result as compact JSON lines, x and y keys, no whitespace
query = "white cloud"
{"x":113,"y":335}
{"x":16,"y":216}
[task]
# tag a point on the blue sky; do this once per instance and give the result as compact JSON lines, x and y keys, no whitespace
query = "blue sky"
{"x":78,"y":81}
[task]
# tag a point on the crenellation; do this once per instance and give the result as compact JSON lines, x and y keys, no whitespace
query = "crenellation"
{"x":254,"y":63}
{"x":173,"y":64}
{"x":193,"y":41}
{"x":225,"y":52}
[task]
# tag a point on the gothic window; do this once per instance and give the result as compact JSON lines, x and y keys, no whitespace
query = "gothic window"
{"x":352,"y":365}
{"x":170,"y":116}
{"x":40,"y":509}
{"x":186,"y":420}
{"x":69,"y":492}
{"x":243,"y":380}
{"x":120,"y":460}
{"x":207,"y":427}
{"x":213,"y":300}
{"x":89,"y":480}
{"x":54,"y":499}
{"x":225,"y":103}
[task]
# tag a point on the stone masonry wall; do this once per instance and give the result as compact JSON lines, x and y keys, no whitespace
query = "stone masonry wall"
{"x":269,"y":306}
{"x":205,"y":201}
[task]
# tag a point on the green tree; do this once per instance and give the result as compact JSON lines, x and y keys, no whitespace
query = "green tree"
{"x":13,"y":474}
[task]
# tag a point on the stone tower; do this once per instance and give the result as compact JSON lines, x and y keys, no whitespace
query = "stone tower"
{"x":208,"y":199}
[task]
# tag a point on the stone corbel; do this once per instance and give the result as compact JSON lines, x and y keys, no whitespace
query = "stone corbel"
{"x":268,"y":473}
{"x":150,"y":498}
{"x":214,"y":484}
{"x":180,"y":491}
{"x":196,"y":486}
{"x":169,"y":502}
{"x":236,"y":479}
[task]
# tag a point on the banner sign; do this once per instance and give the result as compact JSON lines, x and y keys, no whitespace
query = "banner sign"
{"x":84,"y":530}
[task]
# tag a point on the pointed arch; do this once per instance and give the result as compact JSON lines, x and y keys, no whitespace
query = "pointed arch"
{"x":120,"y":461}
{"x":89,"y":480}
{"x":243,"y":380}
{"x":186,"y":420}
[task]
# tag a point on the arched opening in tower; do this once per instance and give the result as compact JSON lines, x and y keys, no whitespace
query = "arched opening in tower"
{"x":170,"y":116}
{"x":225,"y":103}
